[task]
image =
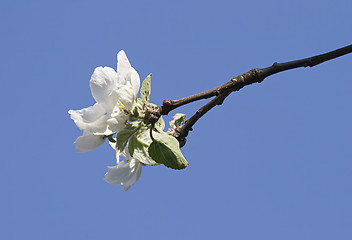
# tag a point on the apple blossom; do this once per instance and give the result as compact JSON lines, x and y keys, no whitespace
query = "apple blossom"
{"x":133,"y":126}
{"x":115,"y":94}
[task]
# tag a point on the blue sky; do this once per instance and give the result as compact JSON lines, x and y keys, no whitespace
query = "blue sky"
{"x":273,"y":162}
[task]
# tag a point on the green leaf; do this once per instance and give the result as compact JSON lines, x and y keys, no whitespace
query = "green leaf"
{"x":124,"y":135}
{"x":165,"y":150}
{"x":178,"y":121}
{"x":146,"y":89}
{"x":138,"y":146}
{"x":160,"y":124}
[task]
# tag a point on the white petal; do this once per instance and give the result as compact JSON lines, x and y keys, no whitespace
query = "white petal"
{"x":125,"y":174}
{"x":102,"y":82}
{"x":123,"y":67}
{"x":91,"y":118}
{"x":126,"y":153}
{"x":125,"y":95}
{"x":110,"y":102}
{"x":135,"y":81}
{"x":116,"y":124}
{"x":126,"y":74}
{"x":88,"y":142}
{"x":113,"y":144}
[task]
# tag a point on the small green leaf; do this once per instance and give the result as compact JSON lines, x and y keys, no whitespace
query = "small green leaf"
{"x":138,"y":146}
{"x":146,"y":89}
{"x":124,"y":135}
{"x":160,"y":124}
{"x":165,"y":150}
{"x":178,"y":121}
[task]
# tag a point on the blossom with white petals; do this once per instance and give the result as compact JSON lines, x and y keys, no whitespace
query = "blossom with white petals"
{"x":115,"y":94}
{"x":125,"y":121}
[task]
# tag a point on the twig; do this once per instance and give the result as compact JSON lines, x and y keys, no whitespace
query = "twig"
{"x":253,"y":76}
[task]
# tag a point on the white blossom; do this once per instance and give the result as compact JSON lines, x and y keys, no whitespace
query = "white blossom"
{"x":115,"y":94}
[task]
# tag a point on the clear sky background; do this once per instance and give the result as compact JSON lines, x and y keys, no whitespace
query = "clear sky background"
{"x":273,"y":162}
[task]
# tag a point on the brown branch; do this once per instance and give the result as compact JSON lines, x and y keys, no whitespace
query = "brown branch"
{"x":169,"y":105}
{"x":236,"y":84}
{"x":253,"y":76}
{"x":306,"y":62}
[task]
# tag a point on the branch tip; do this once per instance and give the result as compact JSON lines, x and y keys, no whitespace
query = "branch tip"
{"x":166,"y":102}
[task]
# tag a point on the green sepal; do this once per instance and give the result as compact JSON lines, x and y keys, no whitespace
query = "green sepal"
{"x":137,"y":112}
{"x":146,"y":89}
{"x":138,"y":146}
{"x":165,"y":150}
{"x":124,"y":135}
{"x":139,"y":100}
{"x":178,"y":121}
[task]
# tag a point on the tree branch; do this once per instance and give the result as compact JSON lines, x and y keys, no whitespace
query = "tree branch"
{"x":306,"y":62}
{"x":253,"y":76}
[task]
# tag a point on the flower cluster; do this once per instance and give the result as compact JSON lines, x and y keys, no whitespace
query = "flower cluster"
{"x":119,"y":116}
